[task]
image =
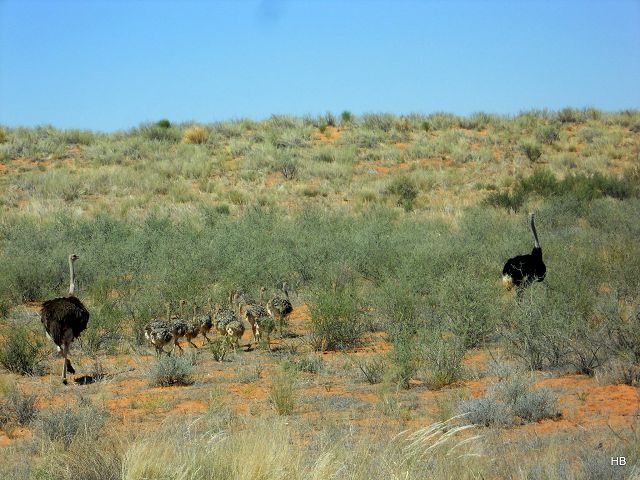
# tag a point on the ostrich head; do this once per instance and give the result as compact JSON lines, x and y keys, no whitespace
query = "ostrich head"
{"x":73,"y":257}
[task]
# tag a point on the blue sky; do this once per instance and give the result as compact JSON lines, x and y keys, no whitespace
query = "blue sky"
{"x":114,"y":64}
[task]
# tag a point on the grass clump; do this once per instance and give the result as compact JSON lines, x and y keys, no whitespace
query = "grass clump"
{"x":67,"y":423}
{"x":21,"y":351}
{"x":17,"y":408}
{"x":195,"y":134}
{"x":283,"y":392}
{"x":169,"y":371}
{"x":308,"y":364}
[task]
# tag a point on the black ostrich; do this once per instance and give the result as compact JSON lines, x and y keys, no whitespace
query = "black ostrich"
{"x":64,"y":319}
{"x":523,"y":270}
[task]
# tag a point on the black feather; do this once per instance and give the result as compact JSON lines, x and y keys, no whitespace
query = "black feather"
{"x":62,"y":314}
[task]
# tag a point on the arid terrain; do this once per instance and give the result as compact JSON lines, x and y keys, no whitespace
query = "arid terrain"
{"x":403,"y":357}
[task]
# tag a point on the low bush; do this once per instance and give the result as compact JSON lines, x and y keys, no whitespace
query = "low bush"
{"x":532,"y":150}
{"x":218,"y":348}
{"x":441,"y":359}
{"x":169,"y":371}
{"x":17,"y":408}
{"x":21,"y":351}
{"x":509,"y":398}
{"x":536,"y":405}
{"x":335,"y":320}
{"x":67,"y":423}
{"x":486,"y":411}
{"x":406,"y":191}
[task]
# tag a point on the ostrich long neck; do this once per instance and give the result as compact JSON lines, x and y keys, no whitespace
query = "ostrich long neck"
{"x":535,"y":235}
{"x":72,"y":281}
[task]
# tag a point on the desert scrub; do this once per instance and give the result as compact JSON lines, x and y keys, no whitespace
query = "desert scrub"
{"x":195,"y":134}
{"x":17,"y":408}
{"x":68,"y":423}
{"x":372,"y":369}
{"x":218,"y":348}
{"x":510,"y":401}
{"x":532,"y":150}
{"x":405,"y":190}
{"x":21,"y":351}
{"x":283,"y":392}
{"x":309,"y":364}
{"x":169,"y":371}
{"x":441,"y":359}
{"x":335,"y":320}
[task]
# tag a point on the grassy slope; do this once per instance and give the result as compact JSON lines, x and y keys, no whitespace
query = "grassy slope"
{"x":378,"y":222}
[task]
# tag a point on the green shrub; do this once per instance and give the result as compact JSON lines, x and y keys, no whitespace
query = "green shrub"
{"x":346,"y":117}
{"x":21,"y":351}
{"x":335,"y":320}
{"x":441,"y":359}
{"x":218,"y":348}
{"x":163,"y":123}
{"x":405,"y":361}
{"x":548,"y":134}
{"x":169,"y":371}
{"x":508,"y":200}
{"x":532,"y":150}
{"x":405,"y":189}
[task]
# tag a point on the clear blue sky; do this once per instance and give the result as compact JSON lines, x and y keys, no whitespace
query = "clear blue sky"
{"x":113,"y":64}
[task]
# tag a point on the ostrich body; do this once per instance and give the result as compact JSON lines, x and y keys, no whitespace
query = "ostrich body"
{"x":64,"y":319}
{"x":280,"y":307}
{"x":221,"y":318}
{"x":178,"y":328}
{"x":206,"y":322}
{"x":263,"y":325}
{"x":234,"y":331}
{"x":193,"y":328}
{"x":523,"y":270}
{"x":159,"y":334}
{"x":252,"y":312}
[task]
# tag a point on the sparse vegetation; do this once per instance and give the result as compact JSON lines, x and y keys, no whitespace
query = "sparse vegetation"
{"x":410,"y":297}
{"x":169,"y":371}
{"x":283,"y":392}
{"x":21,"y":351}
